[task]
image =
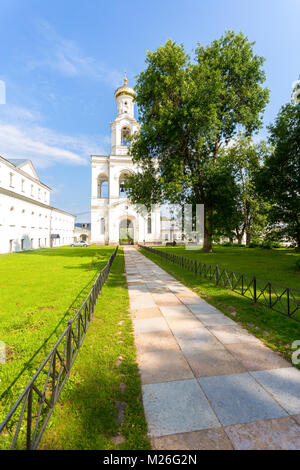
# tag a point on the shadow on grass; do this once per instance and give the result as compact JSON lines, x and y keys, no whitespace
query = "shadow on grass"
{"x":88,"y":416}
{"x":69,"y":251}
{"x":57,"y":331}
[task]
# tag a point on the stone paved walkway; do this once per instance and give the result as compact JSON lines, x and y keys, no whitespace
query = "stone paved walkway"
{"x":207,"y":382}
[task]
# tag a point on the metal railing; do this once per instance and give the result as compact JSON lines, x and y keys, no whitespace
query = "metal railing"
{"x":25,"y":423}
{"x":281,"y":299}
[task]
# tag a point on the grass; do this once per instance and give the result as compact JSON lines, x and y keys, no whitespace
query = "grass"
{"x":274,"y":329}
{"x":276,"y":265}
{"x":104,"y":379}
{"x":40,"y":291}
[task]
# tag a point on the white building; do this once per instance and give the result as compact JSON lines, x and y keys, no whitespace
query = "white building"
{"x":27,"y":220}
{"x":82,"y":232}
{"x":113,"y":218}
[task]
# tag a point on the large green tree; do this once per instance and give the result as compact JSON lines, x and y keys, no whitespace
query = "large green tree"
{"x":279,"y":179}
{"x":188,"y":111}
{"x":250,"y":210}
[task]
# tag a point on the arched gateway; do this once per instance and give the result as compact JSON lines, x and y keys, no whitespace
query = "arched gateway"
{"x":126,"y":232}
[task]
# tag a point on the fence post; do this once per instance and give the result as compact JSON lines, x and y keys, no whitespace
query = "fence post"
{"x":288,"y":300}
{"x":69,"y":345}
{"x":53,"y":379}
{"x":254,"y":289}
{"x":29,"y":420}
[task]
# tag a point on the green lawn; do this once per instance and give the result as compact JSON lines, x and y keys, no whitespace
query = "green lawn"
{"x":100,"y":406}
{"x":274,"y":329}
{"x":277,"y":265}
{"x":40,"y":291}
{"x":103,"y":379}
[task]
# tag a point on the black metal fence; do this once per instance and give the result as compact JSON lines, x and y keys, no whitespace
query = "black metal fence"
{"x":279,"y":298}
{"x":24,"y":425}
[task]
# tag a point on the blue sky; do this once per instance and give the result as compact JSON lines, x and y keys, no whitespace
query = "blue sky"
{"x":62,"y":60}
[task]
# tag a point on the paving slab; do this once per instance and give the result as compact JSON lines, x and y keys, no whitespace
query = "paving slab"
{"x":296,"y":418}
{"x":164,"y":298}
{"x":132,"y":283}
{"x":167,"y":277}
{"x":273,"y":434}
{"x":133,"y":277}
{"x":256,"y":356}
{"x":187,"y":294}
{"x":159,"y":290}
{"x":177,"y":407}
{"x":284,"y":385}
{"x":193,"y":301}
{"x":146,"y":313}
{"x":210,"y":319}
{"x":141,"y":297}
{"x":179,"y":317}
{"x":213,"y":362}
{"x":238,"y":398}
{"x":157,"y":285}
{"x":144,"y":301}
{"x":163,"y":366}
{"x":204,"y":307}
{"x":160,"y":341}
{"x":147,"y":325}
{"x":178,"y":323}
{"x":137,"y":289}
{"x":207,"y":439}
{"x":232,"y":334}
{"x":177,"y":287}
{"x":197,"y":339}
{"x":175,"y":311}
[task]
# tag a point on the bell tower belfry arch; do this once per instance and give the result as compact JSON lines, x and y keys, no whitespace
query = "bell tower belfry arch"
{"x":125,"y":123}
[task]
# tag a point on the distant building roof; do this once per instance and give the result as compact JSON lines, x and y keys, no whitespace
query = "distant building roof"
{"x":17,"y":161}
{"x":86,"y":225}
{"x":20,"y":163}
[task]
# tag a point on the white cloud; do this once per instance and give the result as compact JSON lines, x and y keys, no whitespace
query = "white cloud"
{"x":16,"y":142}
{"x":22,"y":137}
{"x":66,"y":57}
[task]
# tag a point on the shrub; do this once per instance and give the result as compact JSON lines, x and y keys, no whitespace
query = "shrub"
{"x":267,"y":244}
{"x":254,"y":244}
{"x":276,"y":245}
{"x":227,"y":244}
{"x":298,"y":264}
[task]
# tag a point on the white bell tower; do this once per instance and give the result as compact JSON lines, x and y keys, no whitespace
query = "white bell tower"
{"x":125,"y":124}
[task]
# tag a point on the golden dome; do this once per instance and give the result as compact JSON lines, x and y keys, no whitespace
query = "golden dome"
{"x":125,"y":90}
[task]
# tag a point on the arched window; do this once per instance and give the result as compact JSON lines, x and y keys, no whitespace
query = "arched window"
{"x":125,"y":134}
{"x":102,"y":190}
{"x":122,"y":179}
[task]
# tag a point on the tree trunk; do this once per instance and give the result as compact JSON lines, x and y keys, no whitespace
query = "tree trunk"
{"x":248,"y":236}
{"x":207,"y":245}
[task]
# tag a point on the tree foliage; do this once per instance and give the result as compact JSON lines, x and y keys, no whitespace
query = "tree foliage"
{"x":279,"y":180}
{"x":188,"y":111}
{"x":250,"y":209}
